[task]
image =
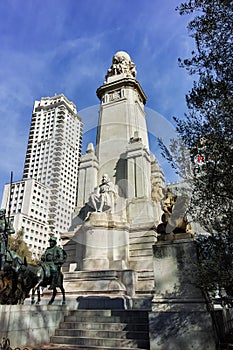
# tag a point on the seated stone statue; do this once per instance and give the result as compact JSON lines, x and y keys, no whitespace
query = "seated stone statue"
{"x":103,"y":198}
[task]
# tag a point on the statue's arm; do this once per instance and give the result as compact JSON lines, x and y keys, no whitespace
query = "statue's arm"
{"x":113,"y":189}
{"x":59,"y":260}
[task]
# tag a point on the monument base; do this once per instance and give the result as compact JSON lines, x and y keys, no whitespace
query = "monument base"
{"x":176,"y":330}
{"x":100,"y":283}
{"x":180,"y":318}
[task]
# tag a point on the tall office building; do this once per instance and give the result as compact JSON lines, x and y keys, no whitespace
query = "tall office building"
{"x":46,"y":197}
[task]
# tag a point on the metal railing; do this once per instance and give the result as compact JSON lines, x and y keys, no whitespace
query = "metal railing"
{"x":5,"y":345}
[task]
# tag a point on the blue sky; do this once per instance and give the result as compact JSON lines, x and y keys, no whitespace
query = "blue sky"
{"x":66,"y":46}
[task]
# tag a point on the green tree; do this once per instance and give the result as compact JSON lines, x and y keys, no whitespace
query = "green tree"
{"x":208,"y":126}
{"x":206,"y":130}
{"x":18,"y":245}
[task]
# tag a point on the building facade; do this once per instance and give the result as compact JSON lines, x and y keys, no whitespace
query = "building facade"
{"x":46,"y":196}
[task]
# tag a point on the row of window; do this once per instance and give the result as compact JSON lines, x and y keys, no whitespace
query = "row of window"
{"x":39,"y":193}
{"x":27,"y":229}
{"x":39,"y":151}
{"x":34,"y":224}
{"x":36,"y":247}
{"x":38,"y":213}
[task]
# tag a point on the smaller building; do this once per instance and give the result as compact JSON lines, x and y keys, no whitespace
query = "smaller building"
{"x":29,"y":211}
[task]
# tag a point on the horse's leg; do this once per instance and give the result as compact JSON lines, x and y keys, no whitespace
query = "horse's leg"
{"x":53,"y":296}
{"x":33,"y":296}
{"x":38,"y":295}
{"x":63,"y":295}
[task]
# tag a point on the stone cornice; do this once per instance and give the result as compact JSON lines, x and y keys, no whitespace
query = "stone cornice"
{"x":124,"y":82}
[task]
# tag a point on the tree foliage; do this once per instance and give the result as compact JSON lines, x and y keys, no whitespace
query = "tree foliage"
{"x":206,"y":129}
{"x":215,"y":264}
{"x":18,"y":245}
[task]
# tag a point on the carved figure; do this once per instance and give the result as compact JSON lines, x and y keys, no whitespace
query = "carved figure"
{"x":103,"y":198}
{"x":121,"y":63}
{"x":174,"y":218}
{"x":6,"y":229}
{"x":169,"y":203}
{"x":53,"y":258}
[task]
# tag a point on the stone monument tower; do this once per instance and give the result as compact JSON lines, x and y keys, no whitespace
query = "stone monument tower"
{"x":120,"y":189}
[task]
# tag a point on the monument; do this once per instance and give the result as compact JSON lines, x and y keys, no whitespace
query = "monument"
{"x":120,"y":188}
{"x":128,"y":246}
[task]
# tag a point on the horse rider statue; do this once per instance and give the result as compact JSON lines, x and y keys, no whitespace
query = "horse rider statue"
{"x":52,"y":260}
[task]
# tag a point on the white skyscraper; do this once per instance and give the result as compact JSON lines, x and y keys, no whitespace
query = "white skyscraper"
{"x":46,"y":197}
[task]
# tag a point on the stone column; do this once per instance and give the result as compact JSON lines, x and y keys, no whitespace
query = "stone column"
{"x":138,"y":170}
{"x":140,"y":206}
{"x":121,"y":114}
{"x":87,"y":179}
{"x":179,"y":317}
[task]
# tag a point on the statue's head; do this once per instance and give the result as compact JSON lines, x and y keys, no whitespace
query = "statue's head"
{"x":53,"y":240}
{"x":121,"y":56}
{"x":105,"y":178}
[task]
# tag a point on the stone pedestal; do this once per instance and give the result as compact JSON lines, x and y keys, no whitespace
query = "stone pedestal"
{"x":106,"y":240}
{"x":100,"y":283}
{"x":179,"y":317}
{"x":102,"y":259}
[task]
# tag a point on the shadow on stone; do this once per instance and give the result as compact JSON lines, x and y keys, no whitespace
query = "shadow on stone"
{"x":102,"y":302}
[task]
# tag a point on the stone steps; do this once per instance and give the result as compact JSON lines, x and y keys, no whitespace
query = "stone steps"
{"x":141,"y":252}
{"x":103,"y":329}
{"x":101,"y":342}
{"x":140,"y":243}
{"x":106,"y":316}
{"x":139,"y":263}
{"x":140,"y":240}
{"x":142,"y":235}
{"x":102,"y":326}
{"x":147,"y":274}
{"x":114,"y":334}
{"x":141,"y":246}
{"x":78,"y":347}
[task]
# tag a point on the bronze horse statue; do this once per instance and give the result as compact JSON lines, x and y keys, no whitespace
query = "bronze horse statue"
{"x":12,"y":289}
{"x":18,"y":278}
{"x":36,"y":276}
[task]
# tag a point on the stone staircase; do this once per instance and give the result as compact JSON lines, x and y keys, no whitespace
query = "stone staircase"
{"x":141,"y":260}
{"x":102,"y":329}
{"x":227,"y":342}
